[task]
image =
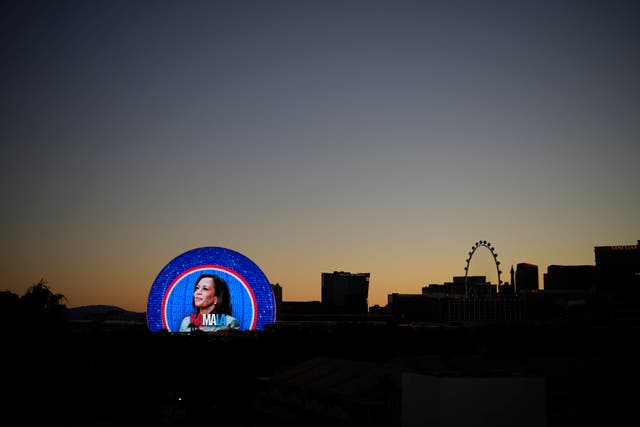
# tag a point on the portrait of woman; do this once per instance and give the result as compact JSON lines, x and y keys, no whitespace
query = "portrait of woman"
{"x":212,"y":306}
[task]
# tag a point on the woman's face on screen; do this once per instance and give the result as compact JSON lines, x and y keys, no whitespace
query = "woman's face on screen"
{"x":204,"y":294}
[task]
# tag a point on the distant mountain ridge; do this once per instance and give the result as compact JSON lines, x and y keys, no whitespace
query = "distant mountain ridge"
{"x":105,"y":312}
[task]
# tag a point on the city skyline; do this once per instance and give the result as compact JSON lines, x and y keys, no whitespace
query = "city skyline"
{"x":379,"y":137}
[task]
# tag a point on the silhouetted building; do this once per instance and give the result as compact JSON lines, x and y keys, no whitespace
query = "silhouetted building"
{"x":346,"y":292}
{"x":277,"y":295}
{"x":411,"y":308}
{"x":471,"y":280}
{"x":506,"y":289}
{"x":618,"y":267}
{"x":407,"y":308}
{"x":513,"y":278}
{"x":401,"y":393}
{"x":300,"y":307}
{"x":326,"y":392}
{"x":434,"y":290}
{"x":435,"y":400}
{"x":616,"y":300}
{"x":526,"y":278}
{"x":477,"y":286}
{"x":573,"y":278}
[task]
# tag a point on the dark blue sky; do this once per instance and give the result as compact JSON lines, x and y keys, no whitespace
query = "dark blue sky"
{"x":382,"y":137}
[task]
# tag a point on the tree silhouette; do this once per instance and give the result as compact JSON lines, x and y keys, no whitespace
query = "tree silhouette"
{"x":9,"y":309}
{"x":39,"y":297}
{"x":41,"y":306}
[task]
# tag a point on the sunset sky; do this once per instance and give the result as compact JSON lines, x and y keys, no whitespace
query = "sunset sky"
{"x":368,"y":136}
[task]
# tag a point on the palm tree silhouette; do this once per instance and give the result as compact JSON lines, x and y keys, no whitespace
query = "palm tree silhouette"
{"x":42,"y":306}
{"x":39,"y":297}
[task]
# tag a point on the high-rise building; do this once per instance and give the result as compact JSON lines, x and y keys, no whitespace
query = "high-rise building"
{"x":346,"y":292}
{"x":570,"y":278}
{"x":526,"y":278}
{"x":618,"y":267}
{"x":476,"y":286}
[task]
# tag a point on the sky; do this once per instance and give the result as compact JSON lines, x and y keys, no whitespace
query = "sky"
{"x":313,"y":136}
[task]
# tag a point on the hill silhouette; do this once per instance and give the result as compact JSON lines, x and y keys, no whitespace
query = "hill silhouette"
{"x":105,"y":312}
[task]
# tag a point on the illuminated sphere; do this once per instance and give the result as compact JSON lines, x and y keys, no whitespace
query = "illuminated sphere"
{"x":171,"y":295}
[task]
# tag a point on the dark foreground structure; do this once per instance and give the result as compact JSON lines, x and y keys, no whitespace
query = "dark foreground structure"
{"x":326,"y":374}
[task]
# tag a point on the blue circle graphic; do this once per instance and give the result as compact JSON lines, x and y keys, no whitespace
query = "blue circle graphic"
{"x":171,"y":295}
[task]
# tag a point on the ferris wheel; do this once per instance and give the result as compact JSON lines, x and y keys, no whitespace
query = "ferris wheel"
{"x":476,"y":246}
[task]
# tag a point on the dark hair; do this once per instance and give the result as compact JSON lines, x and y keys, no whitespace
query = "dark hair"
{"x":223,"y":305}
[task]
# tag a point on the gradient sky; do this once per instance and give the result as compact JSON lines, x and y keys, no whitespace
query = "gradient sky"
{"x":381,"y":137}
